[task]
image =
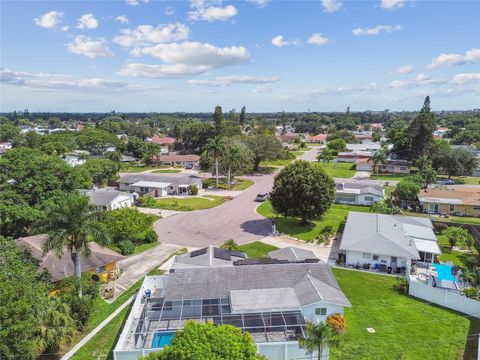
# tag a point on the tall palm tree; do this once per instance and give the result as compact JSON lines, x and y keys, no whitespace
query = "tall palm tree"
{"x":215,"y":148}
{"x":318,"y":337}
{"x":233,"y":159}
{"x":326,"y":155}
{"x":72,"y":223}
{"x":379,"y":157}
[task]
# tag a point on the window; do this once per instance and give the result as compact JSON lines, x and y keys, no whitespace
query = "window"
{"x":368,"y":198}
{"x":101,"y":269}
{"x":403,"y":168}
{"x":321,"y":311}
{"x":375,"y":257}
{"x":451,"y":207}
{"x":476,"y":208}
{"x":345,"y":197}
{"x":143,"y":189}
{"x":167,"y":306}
{"x":367,"y":255}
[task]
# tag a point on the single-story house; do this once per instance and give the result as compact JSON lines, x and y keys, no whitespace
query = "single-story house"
{"x":461,"y":200}
{"x":77,"y":157}
{"x":388,"y":242}
{"x":273,"y":302}
{"x":363,"y":165}
{"x":289,"y":137}
{"x":317,"y":139}
{"x":162,"y":140}
{"x":127,"y":159}
{"x":394,"y":167}
{"x":187,"y":161}
{"x":363,"y":135}
{"x":109,"y":199}
{"x":101,"y":259}
{"x":355,"y":193}
{"x":158,"y":185}
{"x":353,"y":156}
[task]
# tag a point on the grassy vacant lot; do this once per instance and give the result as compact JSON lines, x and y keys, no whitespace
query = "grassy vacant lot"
{"x":257,"y":249}
{"x":395,"y":177}
{"x":338,"y":170}
{"x":406,"y":328}
{"x":189,"y":204}
{"x":240,"y":184}
{"x":334,"y":217}
{"x":167,"y":171}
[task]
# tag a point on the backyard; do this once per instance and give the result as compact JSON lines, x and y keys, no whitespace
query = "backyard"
{"x":455,"y":256}
{"x":187,"y":204}
{"x":338,"y":170}
{"x":405,"y":328}
{"x":335,"y":217}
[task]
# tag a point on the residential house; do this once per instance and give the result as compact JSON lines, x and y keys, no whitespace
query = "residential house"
{"x":353,"y":156}
{"x":363,"y":165}
{"x":363,"y":135}
{"x":440,"y":132}
{"x":289,"y":137}
{"x":272,"y":301}
{"x":389,"y":243}
{"x":165,"y":143}
{"x":356,"y":193}
{"x":4,"y":147}
{"x":293,"y":254}
{"x":109,"y":199}
{"x":189,"y":161}
{"x":394,"y":167}
{"x":209,"y":256}
{"x":317,"y":139}
{"x":158,"y":185}
{"x":102,"y":260}
{"x":77,"y":157}
{"x":460,"y":200}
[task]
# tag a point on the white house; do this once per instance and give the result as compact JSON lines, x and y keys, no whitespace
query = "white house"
{"x":158,"y":185}
{"x":388,"y":242}
{"x":358,"y":193}
{"x":271,"y":300}
{"x":109,"y":199}
{"x":76,"y":157}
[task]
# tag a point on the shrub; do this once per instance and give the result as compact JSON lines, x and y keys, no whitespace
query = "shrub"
{"x":147,"y":201}
{"x":230,"y":245}
{"x":325,"y":234}
{"x":337,"y":322}
{"x":401,"y":285}
{"x":439,"y":227}
{"x":382,"y":208}
{"x":193,"y":189}
{"x":150,"y":236}
{"x":126,"y":247}
{"x":471,"y":292}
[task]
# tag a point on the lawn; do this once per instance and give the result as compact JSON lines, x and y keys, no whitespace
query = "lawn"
{"x":406,"y":328}
{"x":467,"y":180}
{"x":189,"y":204}
{"x":239,"y":183}
{"x":279,"y":162}
{"x":334,"y":217}
{"x":167,"y":171}
{"x":394,"y":177}
{"x":338,"y":170}
{"x":138,"y":169}
{"x":257,"y":249}
{"x":455,"y":256}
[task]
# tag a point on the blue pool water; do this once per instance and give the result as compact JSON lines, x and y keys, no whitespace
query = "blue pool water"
{"x":445,"y":272}
{"x":161,"y":339}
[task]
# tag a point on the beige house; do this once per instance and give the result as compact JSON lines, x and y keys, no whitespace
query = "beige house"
{"x":458,"y":200}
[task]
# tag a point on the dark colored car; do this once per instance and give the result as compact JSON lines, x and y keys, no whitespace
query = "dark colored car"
{"x":261,"y":197}
{"x":446,"y":182}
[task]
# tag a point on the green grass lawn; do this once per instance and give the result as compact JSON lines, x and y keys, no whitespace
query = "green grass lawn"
{"x":189,"y":204}
{"x":338,"y":170}
{"x":334,"y":217}
{"x":240,"y":184}
{"x":455,"y":256}
{"x":142,"y":247}
{"x":394,"y":177}
{"x":257,"y":249}
{"x":406,"y":328}
{"x":467,"y":180}
{"x":138,"y":169}
{"x":280,"y":162}
{"x":167,"y":171}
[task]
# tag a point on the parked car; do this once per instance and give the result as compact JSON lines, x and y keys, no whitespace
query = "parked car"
{"x":446,"y":182}
{"x":261,"y":197}
{"x":189,"y":166}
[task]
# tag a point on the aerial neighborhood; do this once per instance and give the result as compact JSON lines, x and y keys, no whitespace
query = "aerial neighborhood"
{"x":239,"y":180}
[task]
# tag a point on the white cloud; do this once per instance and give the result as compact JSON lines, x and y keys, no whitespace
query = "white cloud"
{"x":422,"y":77}
{"x":49,"y":20}
{"x":65,"y":28}
{"x":259,"y":3}
{"x":471,"y":56}
{"x":208,"y":11}
{"x":330,"y":6}
{"x":392,"y":4}
{"x":87,"y":21}
{"x":403,"y":70}
{"x":466,"y":78}
{"x":262,"y":90}
{"x":318,"y":39}
{"x":235,"y":79}
{"x":122,"y":19}
{"x":144,"y":35}
{"x":183,"y":59}
{"x":279,"y":41}
{"x":136,"y":2}
{"x":169,"y":11}
{"x":62,"y":82}
{"x":376,"y":30}
{"x":88,"y":47}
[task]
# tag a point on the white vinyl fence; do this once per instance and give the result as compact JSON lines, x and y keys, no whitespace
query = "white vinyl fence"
{"x":444,"y":298}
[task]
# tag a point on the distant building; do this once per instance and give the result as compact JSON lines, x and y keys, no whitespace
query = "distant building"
{"x":317,"y":139}
{"x":109,"y":199}
{"x":358,"y":193}
{"x":163,"y":141}
{"x":77,"y":157}
{"x":158,"y":185}
{"x":461,"y":200}
{"x":187,"y":161}
{"x":353,"y":156}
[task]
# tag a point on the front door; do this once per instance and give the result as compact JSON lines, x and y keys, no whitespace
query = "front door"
{"x":433,"y":208}
{"x":393,"y":261}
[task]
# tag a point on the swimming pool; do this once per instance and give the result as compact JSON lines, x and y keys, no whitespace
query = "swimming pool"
{"x":162,"y":339}
{"x":444,"y":272}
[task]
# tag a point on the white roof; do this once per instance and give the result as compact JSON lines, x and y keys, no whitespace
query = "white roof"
{"x":440,"y":200}
{"x":427,"y":246}
{"x":419,"y":232}
{"x":152,"y":184}
{"x":255,"y":300}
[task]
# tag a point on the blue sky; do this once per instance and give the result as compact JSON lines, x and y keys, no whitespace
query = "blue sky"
{"x":323,"y":55}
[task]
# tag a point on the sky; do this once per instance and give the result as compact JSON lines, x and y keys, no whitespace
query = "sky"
{"x":322,"y":55}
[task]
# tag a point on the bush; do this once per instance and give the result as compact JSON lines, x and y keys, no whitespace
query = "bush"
{"x":439,"y":227}
{"x":193,"y":189}
{"x":471,"y":293}
{"x":401,"y":286}
{"x":147,"y":201}
{"x":382,"y":208}
{"x":150,"y":236}
{"x":230,"y":245}
{"x":126,"y":247}
{"x":337,"y":322}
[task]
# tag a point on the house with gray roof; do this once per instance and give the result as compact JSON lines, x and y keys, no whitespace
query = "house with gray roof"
{"x":388,"y":242}
{"x":273,"y":302}
{"x":355,"y":193}
{"x":209,"y":256}
{"x":158,"y":185}
{"x":108,"y":199}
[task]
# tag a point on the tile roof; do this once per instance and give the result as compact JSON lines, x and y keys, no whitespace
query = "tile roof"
{"x":162,"y":140}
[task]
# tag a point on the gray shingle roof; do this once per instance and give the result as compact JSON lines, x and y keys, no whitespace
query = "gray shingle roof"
{"x":364,"y":188}
{"x":382,"y":234}
{"x":292,"y":254}
{"x":172,"y":179}
{"x":209,"y":256}
{"x":217,"y":282}
{"x":102,"y":197}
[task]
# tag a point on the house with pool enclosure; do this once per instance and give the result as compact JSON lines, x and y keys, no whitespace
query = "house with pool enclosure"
{"x":272,"y":299}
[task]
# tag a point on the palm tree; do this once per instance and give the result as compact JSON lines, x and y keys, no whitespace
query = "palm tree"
{"x":326,"y":156}
{"x":380,"y":157}
{"x":233,"y":158}
{"x":72,"y":223}
{"x":318,"y":337}
{"x":215,"y":148}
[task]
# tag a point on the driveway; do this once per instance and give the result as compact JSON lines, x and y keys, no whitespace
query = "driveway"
{"x":235,"y":219}
{"x":322,"y":252}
